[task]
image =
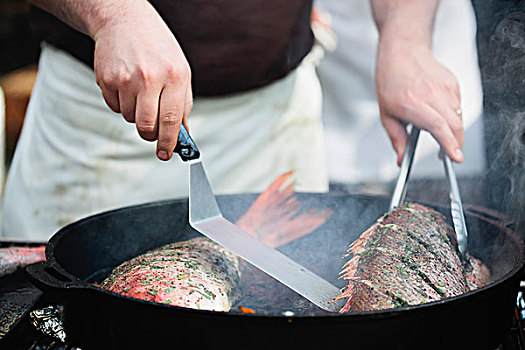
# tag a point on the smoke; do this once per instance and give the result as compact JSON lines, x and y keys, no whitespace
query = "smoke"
{"x":509,"y":162}
{"x":501,"y":45}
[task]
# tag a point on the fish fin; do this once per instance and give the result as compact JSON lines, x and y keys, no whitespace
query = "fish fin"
{"x":276,"y":216}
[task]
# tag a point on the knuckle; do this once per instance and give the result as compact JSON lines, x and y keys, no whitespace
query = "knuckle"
{"x":146,"y":126}
{"x":170,"y":118}
{"x":108,"y":81}
{"x":178,"y":73}
{"x":124,"y":79}
{"x":406,"y":103}
{"x":172,"y":71}
{"x":437,"y":126}
{"x":147,"y":76}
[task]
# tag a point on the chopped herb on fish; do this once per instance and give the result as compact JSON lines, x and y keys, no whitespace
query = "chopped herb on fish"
{"x":197,"y":274}
{"x":408,"y":257}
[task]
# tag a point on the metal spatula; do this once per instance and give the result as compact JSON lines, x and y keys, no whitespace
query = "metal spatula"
{"x":206,"y":217}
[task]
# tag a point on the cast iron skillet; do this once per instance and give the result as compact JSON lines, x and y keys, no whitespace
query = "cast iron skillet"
{"x":96,"y":319}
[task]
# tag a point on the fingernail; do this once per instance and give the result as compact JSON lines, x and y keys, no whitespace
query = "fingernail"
{"x":162,"y":155}
{"x":459,"y":155}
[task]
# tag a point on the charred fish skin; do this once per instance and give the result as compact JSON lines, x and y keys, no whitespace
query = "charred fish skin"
{"x":196,"y":274}
{"x":408,"y":257}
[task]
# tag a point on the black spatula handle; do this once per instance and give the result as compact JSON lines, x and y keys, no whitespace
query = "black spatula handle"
{"x":186,"y":147}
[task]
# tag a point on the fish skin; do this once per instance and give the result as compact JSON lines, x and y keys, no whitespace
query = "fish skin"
{"x":479,"y":275}
{"x":409,"y":256}
{"x":197,"y":273}
{"x":13,"y":258}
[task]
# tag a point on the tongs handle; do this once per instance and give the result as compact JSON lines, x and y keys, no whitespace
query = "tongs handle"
{"x":456,"y":207}
{"x":186,"y":147}
{"x":400,"y":190}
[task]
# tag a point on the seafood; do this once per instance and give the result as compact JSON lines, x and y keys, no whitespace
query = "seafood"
{"x":13,"y":258}
{"x":408,"y":257}
{"x":196,"y":273}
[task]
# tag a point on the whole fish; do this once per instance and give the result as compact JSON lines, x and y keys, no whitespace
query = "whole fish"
{"x":408,"y":257}
{"x":13,"y":258}
{"x":196,"y":273}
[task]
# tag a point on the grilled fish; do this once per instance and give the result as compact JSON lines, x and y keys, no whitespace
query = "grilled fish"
{"x":196,"y":273}
{"x":408,"y":257}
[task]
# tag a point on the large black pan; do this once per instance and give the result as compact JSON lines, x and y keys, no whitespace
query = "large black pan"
{"x":87,"y":250}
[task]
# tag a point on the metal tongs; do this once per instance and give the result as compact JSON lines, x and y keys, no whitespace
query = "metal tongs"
{"x":456,"y":208}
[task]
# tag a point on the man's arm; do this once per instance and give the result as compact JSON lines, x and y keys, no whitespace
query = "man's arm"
{"x":139,"y":64}
{"x":412,"y":87}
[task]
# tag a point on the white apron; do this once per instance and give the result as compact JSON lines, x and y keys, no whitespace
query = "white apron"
{"x":76,"y":157}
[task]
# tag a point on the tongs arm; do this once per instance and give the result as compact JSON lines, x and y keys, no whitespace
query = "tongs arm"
{"x":456,"y":207}
{"x":400,"y":190}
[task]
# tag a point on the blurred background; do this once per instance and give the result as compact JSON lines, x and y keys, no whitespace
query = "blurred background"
{"x":18,"y":65}
{"x":482,"y":42}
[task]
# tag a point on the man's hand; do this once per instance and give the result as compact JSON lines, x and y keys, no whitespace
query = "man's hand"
{"x":139,"y":65}
{"x":412,"y":87}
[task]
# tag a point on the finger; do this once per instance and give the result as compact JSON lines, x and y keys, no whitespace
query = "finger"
{"x":450,"y":115}
{"x":109,"y":90}
{"x":127,"y":102}
{"x":454,"y":94}
{"x":456,"y":117}
{"x":112,"y":100}
{"x":146,"y":115}
{"x":432,"y":121}
{"x":188,"y":106}
{"x":454,"y":102}
{"x":171,"y":111}
{"x":397,"y":133}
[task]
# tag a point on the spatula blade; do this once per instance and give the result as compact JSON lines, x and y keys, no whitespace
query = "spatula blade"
{"x":206,"y":218}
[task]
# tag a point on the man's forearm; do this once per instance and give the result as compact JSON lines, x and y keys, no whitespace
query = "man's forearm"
{"x":406,"y":19}
{"x":87,"y":16}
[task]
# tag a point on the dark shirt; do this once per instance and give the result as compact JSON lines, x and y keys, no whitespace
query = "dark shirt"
{"x":231,"y":45}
